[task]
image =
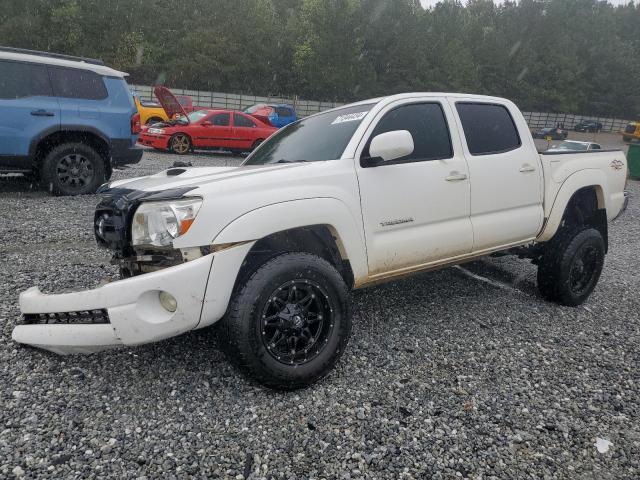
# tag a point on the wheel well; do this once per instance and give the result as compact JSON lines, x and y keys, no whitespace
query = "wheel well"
{"x":586,"y":208}
{"x":181,"y":133}
{"x":58,"y":138}
{"x":315,"y":239}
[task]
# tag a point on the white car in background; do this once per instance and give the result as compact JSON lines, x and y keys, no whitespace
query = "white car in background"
{"x":574,"y":145}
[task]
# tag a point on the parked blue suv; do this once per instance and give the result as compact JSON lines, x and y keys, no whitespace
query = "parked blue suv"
{"x":66,"y":120}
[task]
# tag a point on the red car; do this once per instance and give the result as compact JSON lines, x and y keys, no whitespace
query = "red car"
{"x":203,"y":129}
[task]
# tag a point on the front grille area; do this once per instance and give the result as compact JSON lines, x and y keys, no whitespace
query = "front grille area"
{"x":83,"y":317}
{"x":631,"y":128}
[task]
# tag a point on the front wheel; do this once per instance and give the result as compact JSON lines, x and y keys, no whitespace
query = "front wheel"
{"x":180,"y":144}
{"x":288,"y":325}
{"x":571,"y":266}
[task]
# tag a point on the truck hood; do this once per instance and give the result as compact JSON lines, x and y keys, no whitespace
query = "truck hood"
{"x":177,"y":177}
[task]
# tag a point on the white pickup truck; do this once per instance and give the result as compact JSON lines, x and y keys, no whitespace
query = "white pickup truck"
{"x":343,"y":199}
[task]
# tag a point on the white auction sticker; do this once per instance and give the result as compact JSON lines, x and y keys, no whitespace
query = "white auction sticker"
{"x":350,"y":117}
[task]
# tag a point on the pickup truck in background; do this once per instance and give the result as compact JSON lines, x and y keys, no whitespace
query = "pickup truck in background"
{"x":344,"y":199}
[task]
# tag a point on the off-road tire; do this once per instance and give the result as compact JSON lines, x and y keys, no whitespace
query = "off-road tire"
{"x":560,"y":259}
{"x":54,"y":169}
{"x":241,"y":331}
{"x":180,"y":144}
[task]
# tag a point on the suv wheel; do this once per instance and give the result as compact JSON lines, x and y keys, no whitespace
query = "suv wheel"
{"x":73,"y":169}
{"x":571,"y":266}
{"x":290,"y":322}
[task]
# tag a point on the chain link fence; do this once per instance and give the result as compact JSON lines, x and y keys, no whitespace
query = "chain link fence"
{"x":239,"y":102}
{"x":309,"y":107}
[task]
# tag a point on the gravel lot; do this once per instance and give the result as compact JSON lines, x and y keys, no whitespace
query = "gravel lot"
{"x":460,"y":373}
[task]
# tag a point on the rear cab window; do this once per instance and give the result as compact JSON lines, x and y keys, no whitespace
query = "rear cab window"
{"x":488,"y":128}
{"x":284,"y":112}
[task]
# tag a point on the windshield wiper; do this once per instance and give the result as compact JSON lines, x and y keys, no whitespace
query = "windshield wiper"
{"x":284,"y":160}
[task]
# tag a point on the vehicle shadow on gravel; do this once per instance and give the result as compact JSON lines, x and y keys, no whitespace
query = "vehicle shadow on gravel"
{"x":394,"y":317}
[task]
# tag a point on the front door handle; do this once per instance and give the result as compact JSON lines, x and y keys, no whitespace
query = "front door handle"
{"x":42,"y":113}
{"x":455,"y":177}
{"x":527,"y":168}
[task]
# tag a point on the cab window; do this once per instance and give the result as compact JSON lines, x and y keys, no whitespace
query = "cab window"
{"x":428,"y":127}
{"x":242,"y":121}
{"x":488,"y":128}
{"x":20,"y":80}
{"x":220,"y":120}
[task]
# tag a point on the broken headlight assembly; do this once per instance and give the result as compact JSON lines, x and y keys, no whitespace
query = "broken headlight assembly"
{"x":157,"y":224}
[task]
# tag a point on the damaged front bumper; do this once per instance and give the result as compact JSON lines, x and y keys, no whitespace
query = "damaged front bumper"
{"x":124,"y":312}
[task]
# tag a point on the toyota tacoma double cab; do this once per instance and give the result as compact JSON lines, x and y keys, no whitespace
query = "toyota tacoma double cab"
{"x":67,"y":121}
{"x":341,"y":200}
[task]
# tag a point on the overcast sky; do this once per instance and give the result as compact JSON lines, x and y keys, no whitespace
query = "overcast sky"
{"x":430,"y":3}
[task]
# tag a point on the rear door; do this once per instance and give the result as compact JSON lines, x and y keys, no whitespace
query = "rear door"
{"x":29,"y":110}
{"x":244,"y":131}
{"x":80,"y":94}
{"x":505,"y":172}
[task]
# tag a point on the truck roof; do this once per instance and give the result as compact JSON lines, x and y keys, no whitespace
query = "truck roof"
{"x":45,"y":58}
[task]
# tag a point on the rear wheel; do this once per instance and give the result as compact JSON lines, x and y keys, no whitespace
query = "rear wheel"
{"x":180,"y":143}
{"x":73,"y":169}
{"x":256,"y":144}
{"x":571,"y":266}
{"x":288,"y":325}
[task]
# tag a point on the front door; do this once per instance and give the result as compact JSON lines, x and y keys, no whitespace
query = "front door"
{"x":216,"y":131}
{"x":415,"y":209}
{"x":29,"y":110}
{"x":505,"y":172}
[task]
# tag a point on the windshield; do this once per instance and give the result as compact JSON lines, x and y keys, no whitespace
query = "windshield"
{"x":317,"y":138}
{"x":572,"y":146}
{"x":197,"y":115}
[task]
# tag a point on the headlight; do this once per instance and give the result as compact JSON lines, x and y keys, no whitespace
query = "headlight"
{"x":158,"y":223}
{"x":156,"y":131}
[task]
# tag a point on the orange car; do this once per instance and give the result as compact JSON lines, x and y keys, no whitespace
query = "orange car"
{"x":150,"y":112}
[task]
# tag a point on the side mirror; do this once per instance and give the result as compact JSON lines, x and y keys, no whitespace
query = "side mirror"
{"x":391,"y":145}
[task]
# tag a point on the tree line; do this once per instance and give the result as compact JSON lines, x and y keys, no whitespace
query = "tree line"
{"x":579,"y":56}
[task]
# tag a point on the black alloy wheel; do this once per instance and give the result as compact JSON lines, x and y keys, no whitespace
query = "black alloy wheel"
{"x":296,"y":322}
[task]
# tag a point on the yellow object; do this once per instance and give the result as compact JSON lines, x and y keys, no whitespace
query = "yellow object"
{"x":150,"y":112}
{"x":631,"y":132}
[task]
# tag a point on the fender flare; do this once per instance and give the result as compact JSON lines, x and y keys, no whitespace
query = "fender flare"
{"x":330,"y":212}
{"x":35,"y":142}
{"x":584,"y":178}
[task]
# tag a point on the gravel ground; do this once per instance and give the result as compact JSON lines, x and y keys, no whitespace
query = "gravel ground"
{"x":460,"y":373}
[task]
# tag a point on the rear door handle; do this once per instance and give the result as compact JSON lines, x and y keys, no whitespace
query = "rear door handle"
{"x":42,"y":113}
{"x":455,"y":177}
{"x":527,"y":168}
